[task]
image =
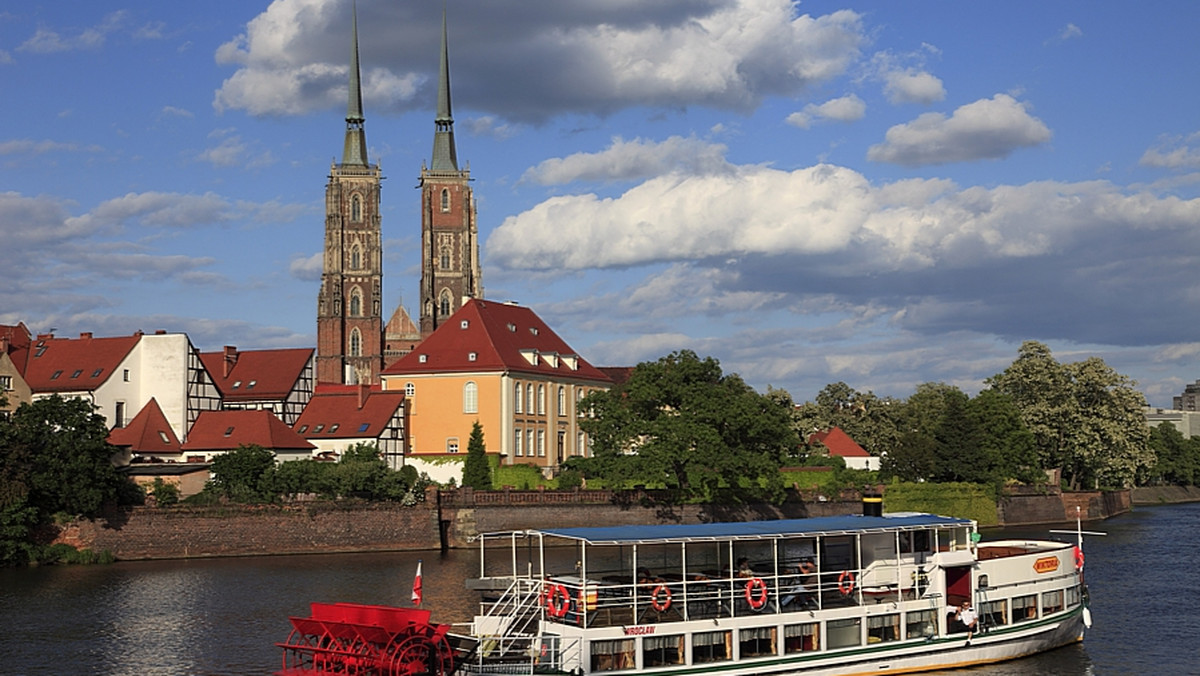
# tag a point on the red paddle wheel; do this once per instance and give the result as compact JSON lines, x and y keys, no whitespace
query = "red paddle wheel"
{"x":360,"y":640}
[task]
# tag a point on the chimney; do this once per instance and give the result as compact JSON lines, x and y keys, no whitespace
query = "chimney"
{"x":231,"y":355}
{"x":85,"y":335}
{"x":363,"y":390}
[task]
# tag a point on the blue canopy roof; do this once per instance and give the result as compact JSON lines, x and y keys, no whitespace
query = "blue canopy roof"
{"x":826,"y":525}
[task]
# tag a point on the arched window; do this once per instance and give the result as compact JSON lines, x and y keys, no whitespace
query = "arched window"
{"x":517,"y":398}
{"x":355,"y":303}
{"x":410,"y":389}
{"x":445,"y":310}
{"x":355,"y":258}
{"x":517,"y":442}
{"x":444,"y":258}
{"x":541,"y":400}
{"x":529,"y":399}
{"x":562,"y":400}
{"x":445,"y":200}
{"x":470,"y":397}
{"x":355,"y":343}
{"x":356,"y":208}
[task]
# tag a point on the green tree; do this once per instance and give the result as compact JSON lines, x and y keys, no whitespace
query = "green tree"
{"x":1006,"y":443}
{"x":362,"y":473}
{"x":913,"y":458}
{"x":244,"y":474}
{"x":872,"y":422}
{"x":1085,"y":417}
{"x":680,"y":422}
{"x":1178,"y":458}
{"x":477,"y":473}
{"x":165,"y":494}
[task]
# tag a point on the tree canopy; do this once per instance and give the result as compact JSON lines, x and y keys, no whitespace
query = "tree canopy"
{"x":681,"y":423}
{"x":477,"y":473}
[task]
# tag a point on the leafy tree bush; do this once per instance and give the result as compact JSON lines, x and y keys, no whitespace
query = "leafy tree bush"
{"x":244,"y":474}
{"x":477,"y":473}
{"x":165,"y":494}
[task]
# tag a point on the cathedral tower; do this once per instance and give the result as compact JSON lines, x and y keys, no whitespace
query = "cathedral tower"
{"x":350,"y":303}
{"x":450,"y":272}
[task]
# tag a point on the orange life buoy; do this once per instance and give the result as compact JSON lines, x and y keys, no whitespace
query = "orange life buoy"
{"x":557,"y":600}
{"x":1078,"y":558}
{"x":756,"y":593}
{"x":660,"y":599}
{"x":846,"y":582}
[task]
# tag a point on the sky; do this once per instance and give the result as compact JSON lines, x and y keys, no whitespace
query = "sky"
{"x":877,"y":193}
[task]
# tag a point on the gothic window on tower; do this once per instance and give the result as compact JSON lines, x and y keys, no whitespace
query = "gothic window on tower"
{"x":355,"y":343}
{"x":444,"y":258}
{"x":356,"y":209}
{"x":445,"y":200}
{"x":355,"y":303}
{"x":445,"y":309}
{"x":355,"y":258}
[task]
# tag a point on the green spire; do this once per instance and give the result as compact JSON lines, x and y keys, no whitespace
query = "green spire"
{"x":445,"y":158}
{"x":355,"y":149}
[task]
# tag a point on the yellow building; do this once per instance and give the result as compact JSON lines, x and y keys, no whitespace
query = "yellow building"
{"x":499,"y":364}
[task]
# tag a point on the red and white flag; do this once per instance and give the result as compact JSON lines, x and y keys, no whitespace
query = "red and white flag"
{"x":416,"y":595}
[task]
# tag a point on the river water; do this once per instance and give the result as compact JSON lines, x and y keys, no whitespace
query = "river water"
{"x":224,"y":616}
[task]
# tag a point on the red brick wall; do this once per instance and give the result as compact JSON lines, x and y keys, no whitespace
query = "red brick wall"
{"x":150,"y":533}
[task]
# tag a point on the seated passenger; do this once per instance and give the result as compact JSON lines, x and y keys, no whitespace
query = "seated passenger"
{"x":744,"y":569}
{"x":801,"y":589}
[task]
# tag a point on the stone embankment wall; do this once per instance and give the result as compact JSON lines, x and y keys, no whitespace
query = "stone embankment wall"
{"x":181,"y":532}
{"x":1157,"y":495}
{"x":452,"y":518}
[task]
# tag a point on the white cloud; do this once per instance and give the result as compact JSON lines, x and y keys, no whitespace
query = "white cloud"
{"x":1068,"y":32}
{"x":912,"y":86}
{"x":1174,"y":153}
{"x":636,"y":159}
{"x":172,"y":111}
{"x":593,"y":58}
{"x":489,"y":125}
{"x":986,"y":129}
{"x":843,"y":109}
{"x":48,"y":41}
{"x":31,"y":147}
{"x":307,"y":268}
{"x":5,"y":58}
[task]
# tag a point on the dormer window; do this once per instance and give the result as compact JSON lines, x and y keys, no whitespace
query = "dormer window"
{"x":471,"y":356}
{"x":334,"y":427}
{"x":533,"y":330}
{"x":56,"y":375}
{"x":464,"y":324}
{"x":228,"y":431}
{"x":77,"y":373}
{"x":97,"y":372}
{"x":237,"y":384}
{"x":318,"y":428}
{"x":163,"y":435}
{"x":512,"y":328}
{"x":251,"y":384}
{"x":303,"y":429}
{"x":363,"y":427}
{"x":423,"y":358}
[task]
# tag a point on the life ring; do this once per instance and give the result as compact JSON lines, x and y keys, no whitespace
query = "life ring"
{"x":557,"y":600}
{"x":756,"y":593}
{"x":846,"y":582}
{"x":1078,"y":558}
{"x":660,"y":599}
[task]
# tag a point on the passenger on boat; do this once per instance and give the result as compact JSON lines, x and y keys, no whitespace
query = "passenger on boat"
{"x":801,"y":589}
{"x":743,"y":568}
{"x":966,"y":615}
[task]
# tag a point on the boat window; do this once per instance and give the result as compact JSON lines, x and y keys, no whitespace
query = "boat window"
{"x":1024,"y":608}
{"x":658,"y":651}
{"x":800,"y":638}
{"x":920,"y":624}
{"x":993,"y":613}
{"x":1073,"y":596}
{"x":613,"y":655}
{"x":1052,"y":601}
{"x":883,"y":628}
{"x":711,"y":646}
{"x":844,"y":633}
{"x":756,"y":642}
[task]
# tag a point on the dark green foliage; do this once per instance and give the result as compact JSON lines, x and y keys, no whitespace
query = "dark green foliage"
{"x":54,"y":459}
{"x":243,"y":474}
{"x":165,"y":494}
{"x":683,"y":424}
{"x":569,"y":479}
{"x":477,"y":473}
{"x":1178,"y":458}
{"x":304,"y":477}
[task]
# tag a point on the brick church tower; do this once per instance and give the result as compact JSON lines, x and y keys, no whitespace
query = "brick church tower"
{"x":350,"y":303}
{"x":450,"y":272}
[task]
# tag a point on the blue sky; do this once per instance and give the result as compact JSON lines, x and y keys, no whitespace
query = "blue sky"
{"x":878,"y":193}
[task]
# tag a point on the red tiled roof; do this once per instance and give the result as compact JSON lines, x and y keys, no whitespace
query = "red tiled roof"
{"x":334,"y":413}
{"x":74,"y":364}
{"x":148,"y":432}
{"x":18,"y":339}
{"x":226,"y":430}
{"x":502,"y":337}
{"x":256,"y":374}
{"x":839,"y":443}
